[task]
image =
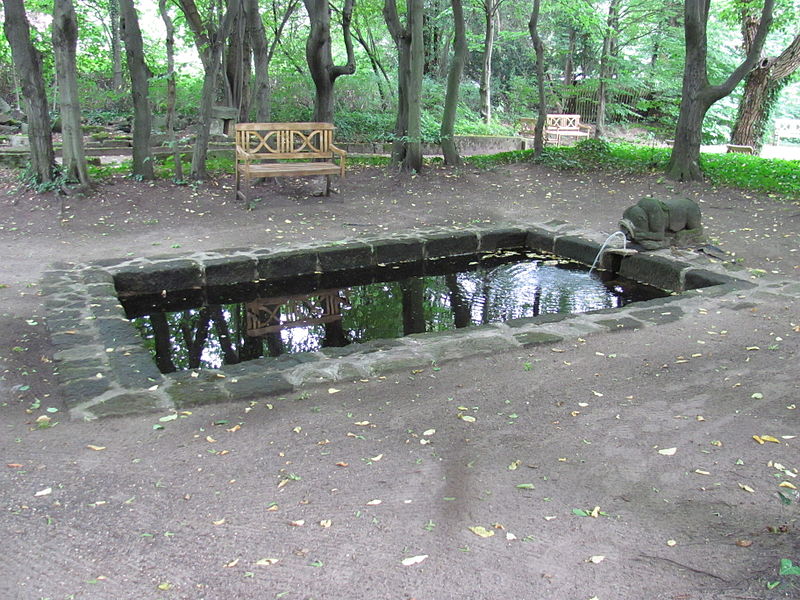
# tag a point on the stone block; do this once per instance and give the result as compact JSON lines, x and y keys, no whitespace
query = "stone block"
{"x":653,"y":270}
{"x":282,"y":265}
{"x":576,"y":248}
{"x":454,"y":243}
{"x":128,"y":404}
{"x":345,"y":257}
{"x":398,"y":250}
{"x":537,"y":338}
{"x":540,"y":240}
{"x":153,"y":278}
{"x":509,"y":238}
{"x":230,"y":269}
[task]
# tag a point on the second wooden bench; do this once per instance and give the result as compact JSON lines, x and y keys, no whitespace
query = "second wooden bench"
{"x":308,"y":146}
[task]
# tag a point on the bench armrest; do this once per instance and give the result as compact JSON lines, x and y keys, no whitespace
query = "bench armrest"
{"x":342,"y":157}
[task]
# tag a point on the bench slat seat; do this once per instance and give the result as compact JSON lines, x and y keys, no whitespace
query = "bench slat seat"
{"x":261,"y":146}
{"x":558,"y":128}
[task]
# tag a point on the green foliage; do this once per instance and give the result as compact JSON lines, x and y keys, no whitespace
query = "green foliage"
{"x":753,"y":173}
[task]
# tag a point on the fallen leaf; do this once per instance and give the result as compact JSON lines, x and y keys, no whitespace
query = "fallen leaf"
{"x":595,"y":512}
{"x":468,"y":418}
{"x":333,"y":390}
{"x":744,"y":543}
{"x":234,"y":429}
{"x":786,"y":484}
{"x":93,"y":447}
{"x":787,"y":568}
{"x":342,"y":464}
{"x":325,"y":523}
{"x":219,"y":522}
{"x":374,"y":502}
{"x":701,"y":472}
{"x":525,"y":486}
{"x":668,"y":451}
{"x":769,"y":438}
{"x":510,"y":536}
{"x":514,"y":465}
{"x":14,"y":465}
{"x":758,"y":439}
{"x":481,"y":531}
{"x":746,"y":488}
{"x":298,"y":523}
{"x":413,"y":560}
{"x":44,"y":492}
{"x":210,"y":439}
{"x":231,"y":564}
{"x":671,"y":543}
{"x":361,"y":423}
{"x":596,"y":559}
{"x":297,"y":429}
{"x":429,"y":432}
{"x":171,"y":417}
{"x":376,"y":458}
{"x":598,"y":394}
{"x":266,"y":562}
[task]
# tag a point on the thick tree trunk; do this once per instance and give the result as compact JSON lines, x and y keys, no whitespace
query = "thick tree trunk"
{"x":319,"y":56}
{"x":407,"y":148}
{"x":140,"y":85}
{"x":28,"y":67}
{"x":65,"y":42}
{"x":533,"y":29}
{"x":451,"y":156}
{"x":698,"y":95}
{"x":209,"y":42}
{"x":762,"y":88}
{"x":171,"y":88}
{"x":262,"y":92}
{"x":413,"y":159}
{"x":163,"y":342}
{"x":413,"y":304}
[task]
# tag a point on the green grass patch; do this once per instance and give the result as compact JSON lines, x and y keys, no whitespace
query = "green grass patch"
{"x":768,"y":175}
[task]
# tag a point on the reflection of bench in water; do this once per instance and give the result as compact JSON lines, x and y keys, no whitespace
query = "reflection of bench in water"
{"x":271,"y":315}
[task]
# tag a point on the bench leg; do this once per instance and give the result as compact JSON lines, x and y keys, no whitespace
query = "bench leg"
{"x":327,"y":185}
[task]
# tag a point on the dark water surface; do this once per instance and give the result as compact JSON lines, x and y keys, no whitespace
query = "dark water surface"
{"x":226,"y":325}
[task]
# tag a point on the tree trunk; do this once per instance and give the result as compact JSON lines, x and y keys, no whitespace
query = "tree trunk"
{"x":533,"y":29}
{"x":209,"y":41}
{"x":171,"y":88}
{"x":413,"y":160}
{"x":413,"y":304}
{"x":606,"y":70}
{"x":163,"y":342}
{"x":407,"y":147}
{"x":485,"y":87}
{"x":762,"y":88}
{"x":116,"y":50}
{"x":65,"y":42}
{"x":319,"y":56}
{"x":27,"y":64}
{"x":140,"y":84}
{"x":262,"y":92}
{"x":237,"y":67}
{"x":697,"y":94}
{"x":451,"y":156}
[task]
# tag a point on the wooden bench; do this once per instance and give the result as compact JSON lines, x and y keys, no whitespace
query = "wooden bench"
{"x":309,"y":147}
{"x":558,"y":128}
{"x":736,"y":149}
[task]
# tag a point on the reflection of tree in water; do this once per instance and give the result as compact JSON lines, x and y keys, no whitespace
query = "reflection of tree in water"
{"x":220,"y":334}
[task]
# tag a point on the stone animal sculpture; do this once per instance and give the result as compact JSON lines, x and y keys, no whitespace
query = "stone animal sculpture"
{"x":654,"y":223}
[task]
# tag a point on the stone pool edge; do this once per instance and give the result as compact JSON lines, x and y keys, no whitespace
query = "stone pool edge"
{"x":104,"y":368}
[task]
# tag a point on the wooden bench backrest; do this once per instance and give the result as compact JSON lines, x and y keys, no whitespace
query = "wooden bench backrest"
{"x":564,"y":122}
{"x":284,"y":140}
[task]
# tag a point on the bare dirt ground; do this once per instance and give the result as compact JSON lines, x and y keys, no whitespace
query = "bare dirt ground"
{"x":561,"y":465}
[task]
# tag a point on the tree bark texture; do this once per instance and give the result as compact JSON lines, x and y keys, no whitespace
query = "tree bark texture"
{"x":762,"y":87}
{"x":116,"y":49}
{"x":606,"y":69}
{"x":65,"y":43}
{"x":28,"y":66}
{"x":140,"y":85}
{"x":262,"y":92}
{"x":698,"y":94}
{"x":320,"y":59}
{"x":209,"y":40}
{"x":407,"y":148}
{"x":171,"y":88}
{"x":538,"y":46}
{"x":490,"y":8}
{"x":449,"y":150}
